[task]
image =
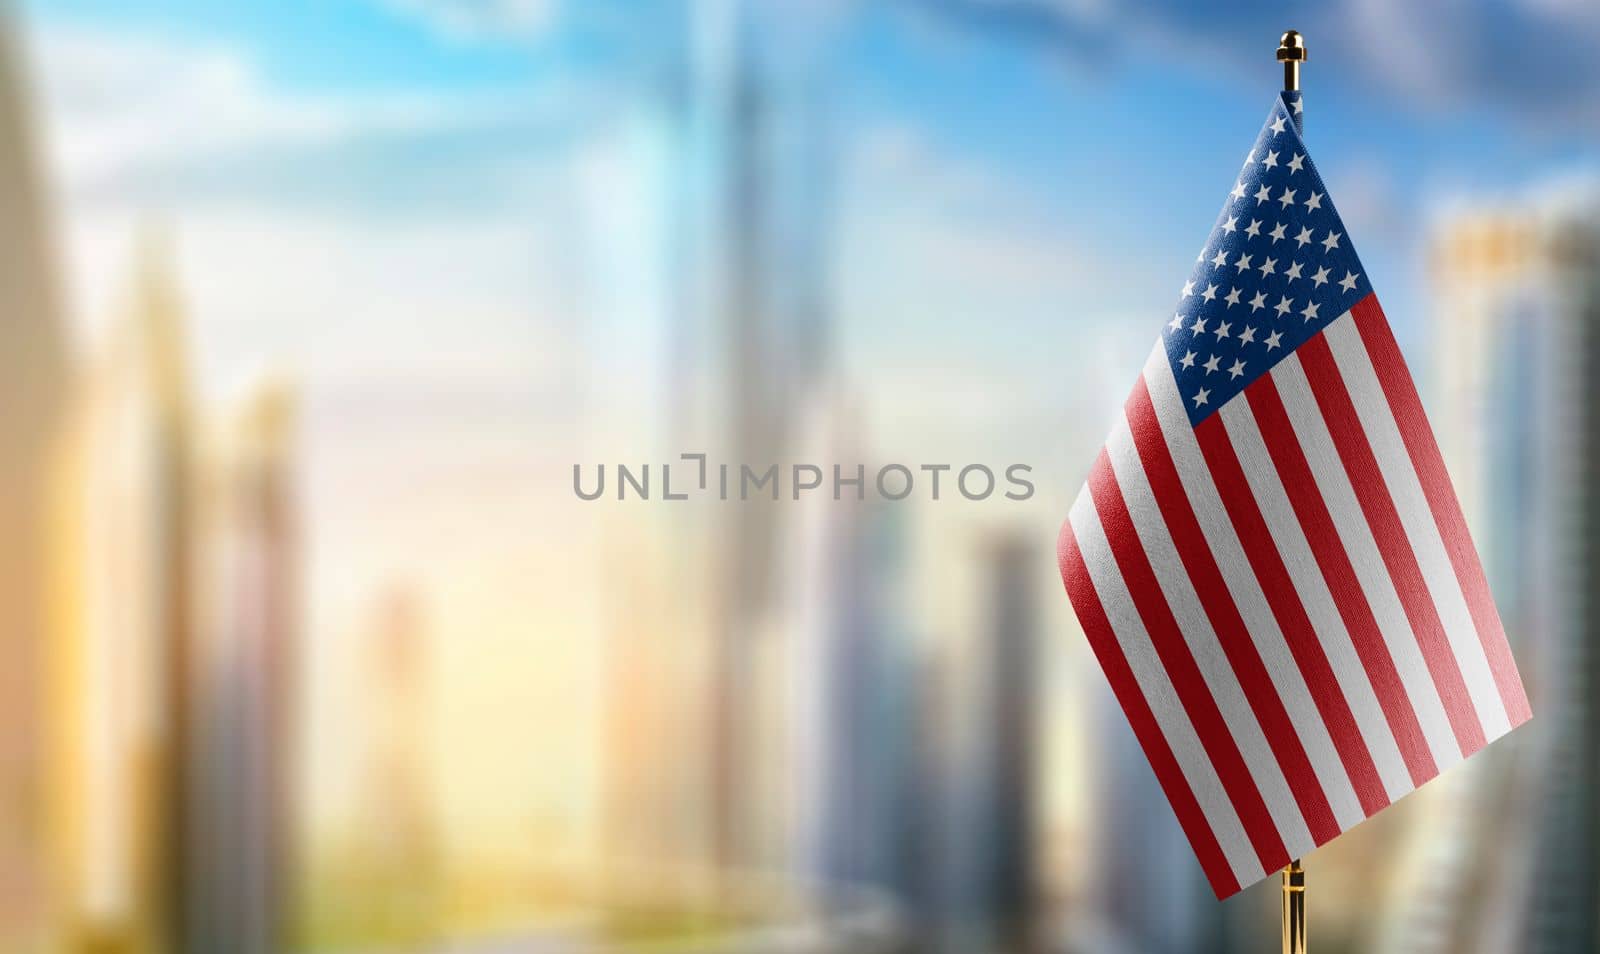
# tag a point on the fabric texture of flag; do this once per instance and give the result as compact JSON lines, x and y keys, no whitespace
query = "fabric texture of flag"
{"x":1268,"y":558}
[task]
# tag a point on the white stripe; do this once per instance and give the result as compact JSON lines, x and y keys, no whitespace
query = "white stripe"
{"x":1327,"y":468}
{"x":1267,"y":487}
{"x":1394,"y":462}
{"x":1248,"y":597}
{"x":1158,"y":692}
{"x":1203,"y":643}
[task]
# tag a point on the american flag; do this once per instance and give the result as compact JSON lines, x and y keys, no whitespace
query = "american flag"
{"x":1268,"y":557}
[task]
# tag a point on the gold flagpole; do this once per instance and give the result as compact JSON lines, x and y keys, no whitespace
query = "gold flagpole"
{"x":1291,"y":53}
{"x":1294,"y":909}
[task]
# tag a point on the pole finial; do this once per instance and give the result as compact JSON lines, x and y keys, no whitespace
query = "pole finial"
{"x":1291,"y":53}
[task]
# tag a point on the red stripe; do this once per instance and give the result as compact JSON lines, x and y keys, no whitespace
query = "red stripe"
{"x":1181,"y":669}
{"x":1224,"y":615}
{"x":1092,"y":616}
{"x":1406,"y":406}
{"x":1334,"y":562}
{"x":1287,"y":609}
{"x":1378,"y":505}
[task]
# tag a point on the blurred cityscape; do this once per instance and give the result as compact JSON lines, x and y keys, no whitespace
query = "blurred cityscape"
{"x":311,"y":647}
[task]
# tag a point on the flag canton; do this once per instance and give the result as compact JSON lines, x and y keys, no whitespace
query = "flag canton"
{"x":1277,"y":269}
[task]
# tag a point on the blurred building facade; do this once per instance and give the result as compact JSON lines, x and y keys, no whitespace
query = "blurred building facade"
{"x":36,"y":597}
{"x":757,"y":317}
{"x":995,"y":896}
{"x":1506,"y":860}
{"x":847,"y":773}
{"x":827,"y":723}
{"x":399,"y":847}
{"x":128,"y":663}
{"x":145,"y":751}
{"x":242,"y":783}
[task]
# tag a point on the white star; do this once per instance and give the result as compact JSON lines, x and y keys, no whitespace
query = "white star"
{"x":1320,"y":278}
{"x":1243,"y":263}
{"x":1238,"y":190}
{"x":1254,"y":228}
{"x":1297,"y":161}
{"x":1202,"y":396}
{"x":1176,"y":322}
{"x":1222,"y":330}
{"x":1273,"y":339}
{"x":1304,"y":238}
{"x":1271,"y":162}
{"x":1187,"y":360}
{"x":1293,"y":272}
{"x":1287,"y":199}
{"x":1313,"y":201}
{"x":1258,"y":302}
{"x":1237,"y":370}
{"x":1232,"y":225}
{"x":1297,"y":107}
{"x":1211,"y":364}
{"x":1263,"y":194}
{"x":1249,"y":157}
{"x":1310,"y":310}
{"x":1277,"y":232}
{"x":1277,"y":127}
{"x":1269,"y":267}
{"x":1248,"y":336}
{"x":1232,"y":298}
{"x":1210,"y":293}
{"x":1332,"y":241}
{"x":1201,"y":257}
{"x":1199,"y":325}
{"x":1348,"y":282}
{"x":1283,"y":306}
{"x":1188,"y":289}
{"x":1221,"y":258}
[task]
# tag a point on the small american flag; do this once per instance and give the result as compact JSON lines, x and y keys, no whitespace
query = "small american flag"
{"x":1268,"y":557}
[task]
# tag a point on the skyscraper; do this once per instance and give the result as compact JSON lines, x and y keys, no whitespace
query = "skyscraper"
{"x":753,"y":129}
{"x":1007,"y":771}
{"x":845,"y":706}
{"x":1146,"y":885}
{"x":1516,"y":335}
{"x":654,"y":796}
{"x":240,"y":799}
{"x":990,"y":895}
{"x":398,"y":838}
{"x":34,"y":388}
{"x":127,"y":665}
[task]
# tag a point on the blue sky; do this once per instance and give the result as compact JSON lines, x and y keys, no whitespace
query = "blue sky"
{"x":422,"y":209}
{"x":311,"y":45}
{"x":1103,"y":135}
{"x":1053,"y":98}
{"x":1010,"y":180}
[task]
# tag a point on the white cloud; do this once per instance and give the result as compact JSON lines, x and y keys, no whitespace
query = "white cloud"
{"x":110,"y":99}
{"x":291,"y":252}
{"x":474,"y":19}
{"x":118,"y":106}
